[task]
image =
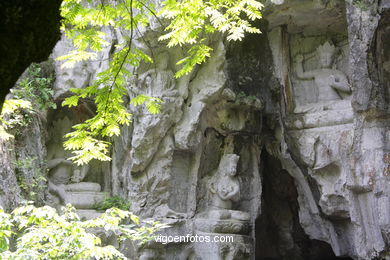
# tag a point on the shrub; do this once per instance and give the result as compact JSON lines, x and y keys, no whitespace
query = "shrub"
{"x":113,"y":202}
{"x":35,"y":87}
{"x":33,"y":92}
{"x":41,"y":233}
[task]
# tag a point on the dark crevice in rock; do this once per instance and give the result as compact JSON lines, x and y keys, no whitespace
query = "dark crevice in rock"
{"x":250,"y":69}
{"x":379,"y":61}
{"x":279,"y":234}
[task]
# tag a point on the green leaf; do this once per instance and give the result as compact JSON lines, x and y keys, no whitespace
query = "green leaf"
{"x":71,"y":101}
{"x":191,"y":24}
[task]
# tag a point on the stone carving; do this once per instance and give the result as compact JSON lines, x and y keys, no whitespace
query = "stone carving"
{"x":241,"y":249}
{"x":163,"y":211}
{"x":60,"y":169}
{"x":225,"y":189}
{"x":157,"y":82}
{"x":235,"y":112}
{"x":331,"y":104}
{"x":147,"y":254}
{"x":65,"y":183}
{"x":66,"y":179}
{"x":151,"y":251}
{"x":329,"y":81}
{"x":343,"y":193}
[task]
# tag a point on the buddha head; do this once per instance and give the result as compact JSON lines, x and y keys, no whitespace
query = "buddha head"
{"x":228,"y":164}
{"x":325,"y":54}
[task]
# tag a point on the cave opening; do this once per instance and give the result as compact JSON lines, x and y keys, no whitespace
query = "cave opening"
{"x":278,"y":232}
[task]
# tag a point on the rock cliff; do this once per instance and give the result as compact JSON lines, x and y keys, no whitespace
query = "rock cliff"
{"x":280,"y":141}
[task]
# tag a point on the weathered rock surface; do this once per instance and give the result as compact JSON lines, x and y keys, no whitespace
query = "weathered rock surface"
{"x":23,"y":164}
{"x":10,"y":195}
{"x":336,"y":153}
{"x":305,"y":108}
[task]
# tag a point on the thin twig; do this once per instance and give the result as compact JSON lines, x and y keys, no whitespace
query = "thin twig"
{"x":101,"y":8}
{"x":147,"y":44}
{"x":127,"y":53}
{"x":142,"y":37}
{"x":152,"y":12}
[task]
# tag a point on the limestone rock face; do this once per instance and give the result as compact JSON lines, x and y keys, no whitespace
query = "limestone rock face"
{"x":300,"y":111}
{"x":23,"y":168}
{"x":336,"y":149}
{"x":11,"y":194}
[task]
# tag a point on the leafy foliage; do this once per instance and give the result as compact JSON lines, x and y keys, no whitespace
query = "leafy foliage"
{"x":82,"y":24}
{"x":5,"y":230}
{"x":191,"y":22}
{"x":36,"y":88}
{"x":113,"y":202}
{"x":12,"y":115}
{"x":31,"y":94}
{"x":41,"y":233}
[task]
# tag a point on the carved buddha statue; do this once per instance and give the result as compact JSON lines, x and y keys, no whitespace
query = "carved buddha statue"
{"x":225,"y":189}
{"x":331,"y":83}
{"x":63,"y":175}
{"x":220,"y":216}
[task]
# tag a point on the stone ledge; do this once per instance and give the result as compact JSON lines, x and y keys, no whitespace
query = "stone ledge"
{"x":320,"y":119}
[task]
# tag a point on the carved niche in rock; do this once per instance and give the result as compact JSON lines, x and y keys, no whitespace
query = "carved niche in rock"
{"x":66,"y":180}
{"x":224,"y":188}
{"x":331,"y":84}
{"x":321,"y":92}
{"x":220,"y":217}
{"x":236,"y":112}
